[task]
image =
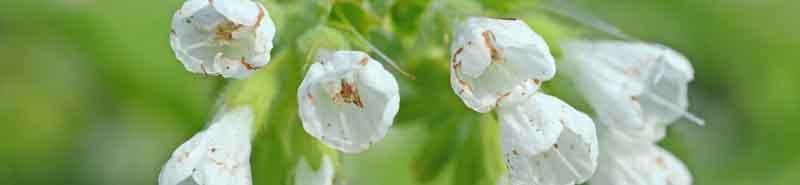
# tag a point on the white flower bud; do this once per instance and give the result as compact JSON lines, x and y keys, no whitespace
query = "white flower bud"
{"x":635,"y":87}
{"x":305,"y":175}
{"x":492,"y":56}
{"x":547,"y":142}
{"x":625,"y":160}
{"x":231,"y":38}
{"x":219,"y":155}
{"x":348,"y":100}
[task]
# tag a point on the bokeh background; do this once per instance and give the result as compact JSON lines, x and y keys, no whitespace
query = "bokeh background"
{"x":90,"y":92}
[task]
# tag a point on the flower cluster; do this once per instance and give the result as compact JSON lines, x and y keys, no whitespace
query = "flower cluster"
{"x":348,"y":101}
{"x":637,"y":90}
{"x":500,"y":63}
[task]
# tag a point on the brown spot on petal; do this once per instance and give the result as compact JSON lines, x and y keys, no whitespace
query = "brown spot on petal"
{"x":506,"y":18}
{"x":500,"y":98}
{"x":465,"y":84}
{"x":555,"y":146}
{"x":260,"y":16}
{"x":536,"y":82}
{"x":246,"y":65}
{"x":514,"y":151}
{"x":310,"y":97}
{"x":635,"y":99}
{"x":349,"y":94}
{"x":632,"y":72}
{"x":488,"y":39}
{"x":363,"y":61}
{"x":660,"y":162}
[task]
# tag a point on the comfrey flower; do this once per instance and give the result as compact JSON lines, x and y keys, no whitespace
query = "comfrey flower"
{"x":492,"y":56}
{"x":637,"y":88}
{"x":231,"y":38}
{"x":305,"y":175}
{"x":348,"y":100}
{"x":546,"y":142}
{"x":219,"y":155}
{"x":626,"y":160}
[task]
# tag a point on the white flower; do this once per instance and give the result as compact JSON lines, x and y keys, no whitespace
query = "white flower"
{"x":547,"y":142}
{"x":492,"y":56}
{"x":231,"y":38}
{"x":348,"y":100}
{"x":626,"y":160}
{"x":638,"y":88}
{"x":305,"y":175}
{"x":219,"y":155}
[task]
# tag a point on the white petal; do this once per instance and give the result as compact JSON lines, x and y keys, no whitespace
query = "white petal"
{"x":231,"y":38}
{"x":628,"y":161}
{"x":305,"y":175}
{"x":219,"y":155}
{"x":492,"y":56}
{"x":348,"y":100}
{"x":547,"y":142}
{"x":634,"y":86}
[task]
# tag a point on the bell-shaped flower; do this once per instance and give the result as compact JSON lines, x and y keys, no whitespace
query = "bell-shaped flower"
{"x":348,"y":100}
{"x":626,"y":160}
{"x":546,"y":142}
{"x":305,"y":175}
{"x":492,"y":56}
{"x":631,"y":85}
{"x":231,"y":38}
{"x":218,"y":155}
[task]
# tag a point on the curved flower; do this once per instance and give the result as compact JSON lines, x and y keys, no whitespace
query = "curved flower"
{"x":628,"y":161}
{"x":219,"y":155}
{"x":492,"y":56}
{"x":231,"y":38}
{"x":547,"y":142}
{"x":305,"y":175}
{"x":348,"y":100}
{"x":634,"y":86}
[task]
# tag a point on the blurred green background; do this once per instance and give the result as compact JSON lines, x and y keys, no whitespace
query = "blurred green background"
{"x":92,"y":94}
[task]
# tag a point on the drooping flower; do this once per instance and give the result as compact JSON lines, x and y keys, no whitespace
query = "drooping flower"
{"x":305,"y":175}
{"x":547,"y":142}
{"x":218,"y":155}
{"x":637,"y":88}
{"x":231,"y":38}
{"x":348,"y":100}
{"x":626,"y":160}
{"x":492,"y":56}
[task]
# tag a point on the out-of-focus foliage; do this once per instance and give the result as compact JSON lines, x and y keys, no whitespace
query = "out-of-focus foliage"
{"x":92,"y":94}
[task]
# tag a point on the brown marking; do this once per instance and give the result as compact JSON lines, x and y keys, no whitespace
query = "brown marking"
{"x":461,"y":92}
{"x":500,"y":98}
{"x":660,"y":162}
{"x":260,"y":16}
{"x":457,"y":64}
{"x":248,"y":66}
{"x":310,"y":97}
{"x":213,"y":150}
{"x":465,"y":84}
{"x":488,"y":39}
{"x":363,"y":61}
{"x":636,"y":99}
{"x":225,"y":31}
{"x":349,"y":94}
{"x":172,"y":31}
{"x":632,"y":72}
{"x":514,"y":151}
{"x":537,"y":82}
{"x":555,"y":146}
{"x":506,"y":18}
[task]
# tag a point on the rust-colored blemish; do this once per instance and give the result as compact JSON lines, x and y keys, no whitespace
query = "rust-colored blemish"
{"x":457,"y":64}
{"x":349,"y":94}
{"x":500,"y":98}
{"x":488,"y":39}
{"x":310,"y":97}
{"x":537,"y":82}
{"x":260,"y":16}
{"x":555,"y":146}
{"x":632,"y":72}
{"x":465,"y":84}
{"x":660,"y":162}
{"x":636,"y":99}
{"x":455,"y":61}
{"x":363,"y":61}
{"x":246,"y":65}
{"x":461,"y":92}
{"x":514,"y":151}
